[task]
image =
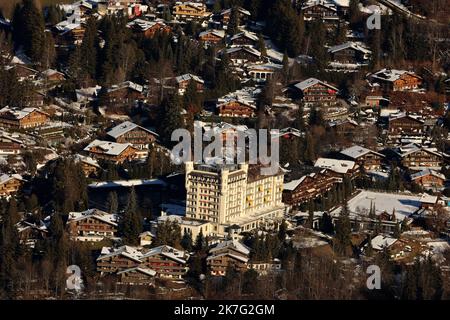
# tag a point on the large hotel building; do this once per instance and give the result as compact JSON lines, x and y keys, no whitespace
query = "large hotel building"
{"x":230,"y":195}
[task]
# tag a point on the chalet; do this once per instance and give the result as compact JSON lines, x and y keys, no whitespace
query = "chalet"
{"x":375,"y":101}
{"x":23,"y":72}
{"x":52,"y":75}
{"x":428,"y":201}
{"x":415,"y":157}
{"x":124,"y":94}
{"x":146,"y":238}
{"x":30,"y":233}
{"x":182,"y":82}
{"x":129,"y":132}
{"x":320,"y":10}
{"x":211,"y":36}
{"x":236,"y":108}
{"x":316,"y":93}
{"x":309,"y":187}
{"x":364,"y":157}
{"x":92,"y":225}
{"x":190,"y":11}
{"x":111,"y":151}
{"x":228,"y":254}
{"x":148,"y":28}
{"x":395,"y":80}
{"x":262,"y":72}
{"x":243,"y":54}
{"x":137,"y":276}
{"x":188,"y":225}
{"x":168,"y":262}
{"x":244,"y":38}
{"x":429,"y":178}
{"x":350,"y":53}
{"x":90,"y":166}
{"x":69,"y":31}
{"x":405,"y":125}
{"x":242,"y":14}
{"x":9,"y":145}
{"x":344,"y":127}
{"x":112,"y":260}
{"x":22,"y":119}
{"x":342,"y":167}
{"x":10,"y":184}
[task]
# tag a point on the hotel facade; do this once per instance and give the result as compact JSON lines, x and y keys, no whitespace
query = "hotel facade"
{"x":233,"y":195}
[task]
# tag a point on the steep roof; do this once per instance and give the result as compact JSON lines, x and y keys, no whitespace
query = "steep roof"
{"x":124,"y":127}
{"x":109,"y":148}
{"x":355,"y":152}
{"x":305,"y":84}
{"x":108,"y":218}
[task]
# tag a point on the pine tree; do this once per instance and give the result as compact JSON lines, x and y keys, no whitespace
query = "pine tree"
{"x":342,"y":239}
{"x":131,"y":222}
{"x":262,"y":45}
{"x":200,"y":242}
{"x":326,"y":224}
{"x":233,"y":23}
{"x":113,"y":202}
{"x":171,"y":118}
{"x":186,"y":241}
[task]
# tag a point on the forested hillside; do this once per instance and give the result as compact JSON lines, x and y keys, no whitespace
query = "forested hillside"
{"x":7,"y":6}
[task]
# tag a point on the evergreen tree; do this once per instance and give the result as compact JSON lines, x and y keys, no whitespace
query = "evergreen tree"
{"x":113,"y":202}
{"x":28,"y":29}
{"x":131,"y":222}
{"x":200,"y":242}
{"x":233,"y":23}
{"x":326,"y":224}
{"x":186,"y":241}
{"x":171,"y":118}
{"x":342,"y":239}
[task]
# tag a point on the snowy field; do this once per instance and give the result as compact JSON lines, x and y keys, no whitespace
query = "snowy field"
{"x":404,"y":205}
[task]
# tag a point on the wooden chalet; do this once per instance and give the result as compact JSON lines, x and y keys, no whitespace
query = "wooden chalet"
{"x":405,"y":125}
{"x":149,"y":28}
{"x":211,"y":36}
{"x":9,"y":145}
{"x":23,"y":119}
{"x":369,"y":159}
{"x":309,"y":187}
{"x":316,"y":93}
{"x":129,"y":132}
{"x":243,"y":54}
{"x":125,"y":94}
{"x":228,"y":254}
{"x":190,"y":11}
{"x":137,"y":276}
{"x":168,"y":262}
{"x":236,"y":108}
{"x":10,"y":184}
{"x":244,"y":38}
{"x":429,"y":178}
{"x":92,"y":225}
{"x":415,"y":157}
{"x":320,"y":10}
{"x":350,"y":53}
{"x":395,"y":80}
{"x":111,"y":151}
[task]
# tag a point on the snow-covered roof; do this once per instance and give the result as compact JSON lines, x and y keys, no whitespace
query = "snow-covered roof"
{"x":106,"y":217}
{"x":108,"y":147}
{"x":290,"y":186}
{"x":381,"y":241}
{"x":245,"y":48}
{"x":169,"y":252}
{"x":305,"y":84}
{"x":87,"y":160}
{"x":234,"y":244}
{"x":218,"y":33}
{"x":245,"y":34}
{"x":427,"y":198}
{"x":132,"y":253}
{"x":350,"y":44}
{"x":4,"y":178}
{"x":311,"y":3}
{"x":124,"y":127}
{"x":427,"y":172}
{"x":20,"y":113}
{"x":391,"y":75}
{"x":127,"y":84}
{"x":339,"y":166}
{"x":188,"y":77}
{"x":355,"y":152}
{"x":144,"y":24}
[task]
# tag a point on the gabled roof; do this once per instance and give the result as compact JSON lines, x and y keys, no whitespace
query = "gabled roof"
{"x":88,"y":160}
{"x":292,"y":185}
{"x":250,"y":50}
{"x":4,"y":178}
{"x":246,"y":34}
{"x":324,"y":3}
{"x":240,"y":10}
{"x":355,"y":152}
{"x":109,"y":148}
{"x":381,"y":241}
{"x":20,"y":113}
{"x":217,"y":33}
{"x":351,"y":45}
{"x":404,"y":115}
{"x":391,"y":75}
{"x":127,"y":84}
{"x":124,"y":127}
{"x":305,"y":84}
{"x":188,"y":77}
{"x":232,"y":244}
{"x":339,"y":166}
{"x":126,"y":251}
{"x":103,"y":216}
{"x":169,"y":252}
{"x":427,"y":172}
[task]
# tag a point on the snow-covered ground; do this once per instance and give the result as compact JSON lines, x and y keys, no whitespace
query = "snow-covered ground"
{"x":404,"y":205}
